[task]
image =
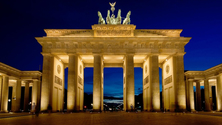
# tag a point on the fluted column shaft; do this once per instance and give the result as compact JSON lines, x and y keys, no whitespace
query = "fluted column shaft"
{"x":198,"y":97}
{"x":16,"y":96}
{"x":154,"y":83}
{"x":219,"y":92}
{"x":72,"y":82}
{"x":36,"y":92}
{"x":180,"y":95}
{"x":26,"y":96}
{"x":130,"y":92}
{"x":1,"y":85}
{"x":191,"y":95}
{"x":47,"y":79}
{"x":4,"y":98}
{"x":97,"y":83}
{"x":206,"y":95}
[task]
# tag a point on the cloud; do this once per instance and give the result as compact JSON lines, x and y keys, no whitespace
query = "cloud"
{"x":113,"y":101}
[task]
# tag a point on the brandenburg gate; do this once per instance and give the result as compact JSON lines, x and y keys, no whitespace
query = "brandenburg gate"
{"x":112,"y":44}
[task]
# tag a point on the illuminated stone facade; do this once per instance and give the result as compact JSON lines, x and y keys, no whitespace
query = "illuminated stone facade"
{"x":113,"y":46}
{"x":208,"y":78}
{"x":11,"y":77}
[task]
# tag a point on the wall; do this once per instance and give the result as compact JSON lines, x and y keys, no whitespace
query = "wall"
{"x":58,"y":85}
{"x":80,"y":84}
{"x":146,"y":85}
{"x":168,"y":86}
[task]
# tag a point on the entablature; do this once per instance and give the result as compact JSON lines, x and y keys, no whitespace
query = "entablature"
{"x":114,"y":44}
{"x":113,"y":31}
{"x":18,"y":74}
{"x":209,"y":73}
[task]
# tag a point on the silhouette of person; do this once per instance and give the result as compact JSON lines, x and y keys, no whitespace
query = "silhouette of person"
{"x":33,"y":108}
{"x":49,"y":108}
{"x":131,"y":106}
{"x":37,"y":110}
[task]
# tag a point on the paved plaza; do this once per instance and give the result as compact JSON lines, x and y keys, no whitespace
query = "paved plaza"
{"x":115,"y":118}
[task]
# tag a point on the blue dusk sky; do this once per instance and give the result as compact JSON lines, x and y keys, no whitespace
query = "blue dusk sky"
{"x":22,"y":21}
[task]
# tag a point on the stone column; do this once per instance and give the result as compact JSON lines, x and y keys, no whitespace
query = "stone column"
{"x":191,"y":95}
{"x":4,"y":102}
{"x":26,"y":96}
{"x":179,"y":85}
{"x":219,"y":92}
{"x":13,"y":101}
{"x":1,"y":85}
{"x":97,"y":83}
{"x":198,"y":96}
{"x":163,"y":92}
{"x":72,"y":82}
{"x":39,"y":94}
{"x":47,"y":79}
{"x":206,"y":95}
{"x":129,"y":75}
{"x":102,"y":74}
{"x":35,"y":92}
{"x":187,"y":94}
{"x":124,"y":85}
{"x":154,"y":83}
{"x":18,"y":95}
{"x":210,"y":97}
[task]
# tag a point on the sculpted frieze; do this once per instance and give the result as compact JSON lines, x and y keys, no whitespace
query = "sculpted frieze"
{"x":168,"y":80}
{"x":146,"y":80}
{"x":117,"y":33}
{"x":112,"y":45}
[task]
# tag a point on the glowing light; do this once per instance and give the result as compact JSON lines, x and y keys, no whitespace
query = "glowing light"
{"x":60,"y":60}
{"x":166,"y":59}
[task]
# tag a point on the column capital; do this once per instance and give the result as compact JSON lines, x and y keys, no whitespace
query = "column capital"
{"x":206,"y":78}
{"x":46,"y":54}
{"x":27,"y":81}
{"x":127,"y":54}
{"x":18,"y":79}
{"x":97,"y":53}
{"x":191,"y":80}
{"x":35,"y":80}
{"x":71,"y":54}
{"x":197,"y":81}
{"x":154,"y":54}
{"x":180,"y":54}
{"x":4,"y":75}
{"x":219,"y":74}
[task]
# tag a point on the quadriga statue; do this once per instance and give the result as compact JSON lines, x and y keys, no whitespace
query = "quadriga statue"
{"x":108,"y":19}
{"x":111,"y":19}
{"x":119,"y":19}
{"x":101,"y":20}
{"x":127,"y":19}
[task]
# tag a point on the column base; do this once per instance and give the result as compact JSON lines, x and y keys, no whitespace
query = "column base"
{"x":207,"y":110}
{"x":192,"y":110}
{"x":3,"y":111}
{"x":96,"y":110}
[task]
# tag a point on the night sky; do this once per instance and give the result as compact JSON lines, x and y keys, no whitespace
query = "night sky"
{"x":21,"y":21}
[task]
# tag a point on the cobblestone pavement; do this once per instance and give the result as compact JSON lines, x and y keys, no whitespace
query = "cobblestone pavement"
{"x":117,"y":118}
